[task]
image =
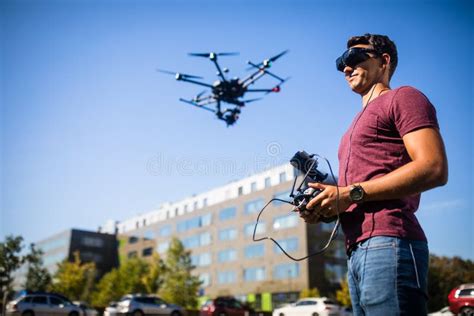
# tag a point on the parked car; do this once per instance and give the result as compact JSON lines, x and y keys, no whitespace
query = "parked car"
{"x":225,"y":305}
{"x":461,"y":299}
{"x":111,"y":310}
{"x":42,"y":304}
{"x":141,"y":305}
{"x":442,"y":312}
{"x":320,"y":306}
{"x":86,"y":309}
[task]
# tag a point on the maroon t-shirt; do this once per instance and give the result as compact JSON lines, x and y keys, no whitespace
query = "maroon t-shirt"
{"x":373,"y":147}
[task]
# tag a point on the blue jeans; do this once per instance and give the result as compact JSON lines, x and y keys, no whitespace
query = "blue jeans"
{"x":388,"y":276}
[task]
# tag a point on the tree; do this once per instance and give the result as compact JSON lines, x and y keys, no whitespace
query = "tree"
{"x":343,"y":295}
{"x":108,"y":289}
{"x":74,"y":279}
{"x":445,"y":274}
{"x":314,"y":292}
{"x":179,"y":286}
{"x":37,"y":278}
{"x":135,"y":275}
{"x":10,"y":261}
{"x":154,"y":279}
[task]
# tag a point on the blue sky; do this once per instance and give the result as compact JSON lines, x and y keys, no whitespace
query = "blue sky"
{"x":90,"y":131}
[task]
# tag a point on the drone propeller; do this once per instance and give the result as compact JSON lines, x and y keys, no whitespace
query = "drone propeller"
{"x":251,"y":100}
{"x":274,"y":58}
{"x":200,"y":94}
{"x":267,"y":62}
{"x":179,"y":75}
{"x":212,"y":55}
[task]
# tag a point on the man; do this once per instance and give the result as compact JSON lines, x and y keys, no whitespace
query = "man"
{"x":391,"y":153}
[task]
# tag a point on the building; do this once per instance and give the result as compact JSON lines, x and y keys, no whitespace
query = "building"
{"x":217,"y":226}
{"x":96,"y":247}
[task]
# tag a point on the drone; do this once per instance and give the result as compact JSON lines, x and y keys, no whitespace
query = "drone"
{"x":228,"y":90}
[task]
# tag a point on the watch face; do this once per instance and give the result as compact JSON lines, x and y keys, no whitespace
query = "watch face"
{"x":356,"y":194}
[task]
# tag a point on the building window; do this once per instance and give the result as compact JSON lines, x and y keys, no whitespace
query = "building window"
{"x":254,"y":206}
{"x":285,"y":221}
{"x":254,"y":274}
{"x":132,"y":240}
{"x":338,"y":249}
{"x":149,"y":235}
{"x":196,"y":222}
{"x":227,"y":234}
{"x":195,"y":206}
{"x":144,"y":222}
{"x":92,"y":242}
{"x":203,"y":259}
{"x":285,"y":196}
{"x":249,"y":228}
{"x":147,"y":252}
{"x":225,"y":277}
{"x":268,"y":182}
{"x":226,"y":255}
{"x":205,"y":279}
{"x":227,"y":213}
{"x":50,"y":260}
{"x":132,"y":254}
{"x":282,"y":177}
{"x":54,"y":244}
{"x":240,"y":191}
{"x":286,"y":271}
{"x":254,"y":251}
{"x":327,"y":227}
{"x":290,"y":244}
{"x":185,"y":208}
{"x":197,"y":240}
{"x":253,"y":186}
{"x":204,"y":202}
{"x":335,"y":273}
{"x":163,"y":247}
{"x":165,"y":231}
{"x":87,"y":256}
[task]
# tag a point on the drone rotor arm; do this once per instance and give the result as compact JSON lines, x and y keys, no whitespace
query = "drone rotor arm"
{"x":202,"y":106}
{"x":197,"y":82}
{"x":260,"y":90}
{"x":274,"y":76}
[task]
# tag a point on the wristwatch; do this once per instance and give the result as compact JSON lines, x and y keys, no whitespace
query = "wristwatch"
{"x":356,"y":193}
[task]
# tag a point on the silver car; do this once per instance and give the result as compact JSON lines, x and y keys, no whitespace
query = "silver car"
{"x":42,"y":305}
{"x":141,"y":305}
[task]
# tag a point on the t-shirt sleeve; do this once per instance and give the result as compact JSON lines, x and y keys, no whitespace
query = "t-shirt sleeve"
{"x":411,"y":110}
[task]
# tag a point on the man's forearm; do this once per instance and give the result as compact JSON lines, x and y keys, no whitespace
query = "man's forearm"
{"x":412,"y":178}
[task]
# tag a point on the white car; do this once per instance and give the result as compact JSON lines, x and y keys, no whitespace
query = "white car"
{"x":320,"y":306}
{"x":442,"y":312}
{"x":111,"y":310}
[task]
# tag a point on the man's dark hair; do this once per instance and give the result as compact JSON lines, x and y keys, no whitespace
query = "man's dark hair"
{"x":381,"y":43}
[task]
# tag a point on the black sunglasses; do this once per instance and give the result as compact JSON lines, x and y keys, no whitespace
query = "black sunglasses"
{"x":354,"y":56}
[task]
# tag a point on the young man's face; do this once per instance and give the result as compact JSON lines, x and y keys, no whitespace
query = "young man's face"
{"x":362,"y":76}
